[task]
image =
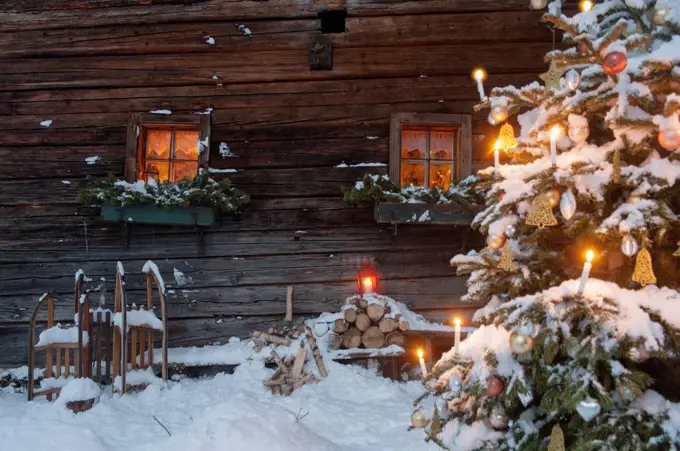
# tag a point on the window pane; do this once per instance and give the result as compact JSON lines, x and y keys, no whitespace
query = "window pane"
{"x":186,"y":146}
{"x":441,"y":146}
{"x":412,"y":174}
{"x":157,"y":170}
{"x":184,"y":170}
{"x":158,"y":144}
{"x":440,"y":175}
{"x":413,"y":144}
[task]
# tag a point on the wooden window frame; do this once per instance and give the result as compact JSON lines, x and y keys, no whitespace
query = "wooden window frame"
{"x":133,"y":151}
{"x":462,"y":126}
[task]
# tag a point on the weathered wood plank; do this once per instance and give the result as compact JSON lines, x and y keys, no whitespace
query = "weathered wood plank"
{"x":282,"y":65}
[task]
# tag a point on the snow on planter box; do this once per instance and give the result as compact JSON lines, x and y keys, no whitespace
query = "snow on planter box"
{"x":388,"y":213}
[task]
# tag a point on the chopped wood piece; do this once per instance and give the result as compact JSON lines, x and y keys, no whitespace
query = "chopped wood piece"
{"x":388,"y":325}
{"x":373,"y":338}
{"x":276,"y":390}
{"x":375,"y":312}
{"x":299,"y":364}
{"x":403,"y":325}
{"x":315,"y":352}
{"x":363,"y":303}
{"x":350,"y":315}
{"x":363,"y":322}
{"x":282,"y":365}
{"x":289,"y":360}
{"x":334,"y":341}
{"x":340,"y":326}
{"x":395,"y":338}
{"x":269,"y":338}
{"x":289,"y":304}
{"x":351,"y":338}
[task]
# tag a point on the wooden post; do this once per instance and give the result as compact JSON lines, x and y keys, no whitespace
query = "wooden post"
{"x":289,"y":304}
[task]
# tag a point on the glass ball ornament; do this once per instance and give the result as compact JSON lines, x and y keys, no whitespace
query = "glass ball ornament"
{"x":568,"y":204}
{"x":498,"y":418}
{"x":494,"y":386}
{"x":521,"y":343}
{"x":456,"y":384}
{"x":495,"y":241}
{"x":669,"y":139}
{"x":419,"y":420}
{"x":625,"y":393}
{"x":660,"y":15}
{"x":572,"y":80}
{"x":615,"y":62}
{"x":629,"y":246}
{"x":491,"y":120}
{"x":499,"y":113}
{"x":588,"y":408}
{"x":539,"y":4}
{"x":510,"y":230}
{"x":579,"y":134}
{"x":553,"y":196}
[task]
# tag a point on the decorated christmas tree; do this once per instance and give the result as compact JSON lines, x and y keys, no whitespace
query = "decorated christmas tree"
{"x":579,"y":280}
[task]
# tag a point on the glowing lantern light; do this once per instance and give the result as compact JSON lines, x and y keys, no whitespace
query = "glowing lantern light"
{"x":367,"y":280}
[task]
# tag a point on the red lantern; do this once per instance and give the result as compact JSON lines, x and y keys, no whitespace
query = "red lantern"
{"x":367,"y":280}
{"x":615,"y":62}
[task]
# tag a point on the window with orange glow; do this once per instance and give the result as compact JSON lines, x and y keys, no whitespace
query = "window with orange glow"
{"x":427,"y":156}
{"x":168,"y":153}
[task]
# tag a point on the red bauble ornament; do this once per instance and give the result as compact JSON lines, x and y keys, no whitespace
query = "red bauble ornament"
{"x":494,"y":386}
{"x":582,"y":48}
{"x":615,"y":62}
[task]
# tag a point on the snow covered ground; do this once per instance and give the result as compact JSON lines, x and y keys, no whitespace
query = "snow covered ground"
{"x":352,"y":409}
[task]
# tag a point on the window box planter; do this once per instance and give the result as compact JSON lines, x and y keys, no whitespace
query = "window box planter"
{"x":434,"y":214}
{"x":151,"y":214}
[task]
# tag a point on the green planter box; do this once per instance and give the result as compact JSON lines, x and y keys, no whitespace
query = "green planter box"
{"x":437,"y":214}
{"x":151,"y":214}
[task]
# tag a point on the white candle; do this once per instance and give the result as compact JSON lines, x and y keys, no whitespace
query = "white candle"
{"x":423,"y":368}
{"x":555,"y":133}
{"x":586,"y":271}
{"x":496,"y":156}
{"x":368,"y":285}
{"x":480,"y":75}
{"x":456,"y":348}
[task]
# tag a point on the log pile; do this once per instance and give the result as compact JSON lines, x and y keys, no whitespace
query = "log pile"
{"x":278,"y":336}
{"x":367,"y":325}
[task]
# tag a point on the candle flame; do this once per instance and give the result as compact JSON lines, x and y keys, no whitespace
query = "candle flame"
{"x":479,"y":74}
{"x":586,"y":5}
{"x":420,"y":353}
{"x":456,"y":321}
{"x":590,"y":255}
{"x":498,"y":145}
{"x":556,"y":132}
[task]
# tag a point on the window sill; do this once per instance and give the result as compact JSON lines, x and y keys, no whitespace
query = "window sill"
{"x":426,"y":214}
{"x":152,"y":214}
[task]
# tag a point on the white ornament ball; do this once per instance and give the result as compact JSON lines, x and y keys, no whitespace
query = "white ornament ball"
{"x":629,"y":246}
{"x":495,"y":241}
{"x":521,"y":343}
{"x":499,"y":113}
{"x":539,"y":4}
{"x":660,"y":16}
{"x":572,"y":80}
{"x":510,"y":230}
{"x":568,"y":204}
{"x":498,"y":418}
{"x":579,"y":134}
{"x":419,"y":419}
{"x":491,"y":120}
{"x":588,"y":408}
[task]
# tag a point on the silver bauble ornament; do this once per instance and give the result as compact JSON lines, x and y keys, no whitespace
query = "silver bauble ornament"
{"x":568,"y":204}
{"x":579,"y":134}
{"x":629,"y":246}
{"x":539,"y":4}
{"x":669,"y":139}
{"x":572,"y":80}
{"x":456,"y":384}
{"x":521,"y":343}
{"x":419,"y":419}
{"x":498,"y":418}
{"x":625,"y":392}
{"x":495,"y":241}
{"x":510,"y":230}
{"x":588,"y":408}
{"x":499,"y":113}
{"x":660,"y":16}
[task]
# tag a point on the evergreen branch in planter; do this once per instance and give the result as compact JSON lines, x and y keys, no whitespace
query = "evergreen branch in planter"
{"x":376,"y":188}
{"x":202,"y":191}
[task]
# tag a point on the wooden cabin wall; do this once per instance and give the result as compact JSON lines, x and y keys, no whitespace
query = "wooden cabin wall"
{"x":86,"y":65}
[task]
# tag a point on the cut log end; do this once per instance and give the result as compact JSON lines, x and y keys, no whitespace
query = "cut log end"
{"x":388,"y":325}
{"x":403,"y":325}
{"x":375,"y":312}
{"x":350,"y":315}
{"x":373,"y":338}
{"x":340,"y":326}
{"x":395,"y":338}
{"x":363,"y":322}
{"x":334,"y":341}
{"x":351,"y":338}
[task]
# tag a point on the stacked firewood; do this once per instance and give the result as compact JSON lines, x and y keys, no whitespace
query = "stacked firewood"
{"x":290,"y":374}
{"x":276,"y":335}
{"x":367,"y":325}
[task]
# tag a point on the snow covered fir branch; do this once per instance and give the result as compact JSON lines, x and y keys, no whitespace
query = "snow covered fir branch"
{"x":202,"y":191}
{"x":374,"y":188}
{"x":558,"y":362}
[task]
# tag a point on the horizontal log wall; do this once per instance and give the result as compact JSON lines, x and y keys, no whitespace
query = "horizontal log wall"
{"x":86,"y":65}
